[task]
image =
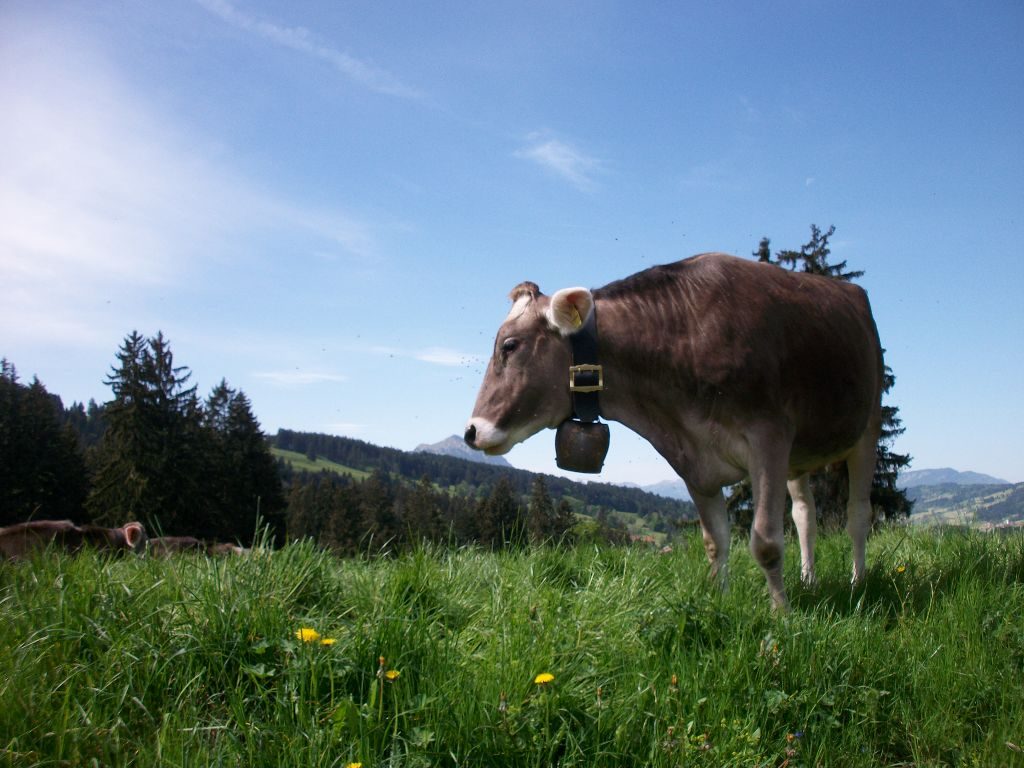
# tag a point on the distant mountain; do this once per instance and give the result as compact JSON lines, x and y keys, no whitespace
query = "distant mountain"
{"x":954,"y":504}
{"x":455,"y":446}
{"x":945,"y":476}
{"x":671,"y":489}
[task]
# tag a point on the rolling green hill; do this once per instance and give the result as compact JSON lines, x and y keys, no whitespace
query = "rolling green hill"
{"x":637,"y":510}
{"x":302,"y":463}
{"x":951,"y":504}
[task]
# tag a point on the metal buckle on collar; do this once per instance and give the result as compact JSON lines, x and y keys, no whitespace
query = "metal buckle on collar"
{"x":586,"y":369}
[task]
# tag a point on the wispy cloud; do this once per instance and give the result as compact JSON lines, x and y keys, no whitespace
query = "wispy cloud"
{"x":447,"y":357}
{"x":299,"y":378}
{"x":303,"y":41}
{"x":103,"y":199}
{"x":562,"y":159}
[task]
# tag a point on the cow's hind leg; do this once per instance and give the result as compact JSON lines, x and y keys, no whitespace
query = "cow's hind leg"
{"x":714,"y":525}
{"x":768,"y":481}
{"x":861,"y":469}
{"x":805,"y":518}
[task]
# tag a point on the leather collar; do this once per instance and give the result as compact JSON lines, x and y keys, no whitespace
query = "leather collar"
{"x":586,"y":376}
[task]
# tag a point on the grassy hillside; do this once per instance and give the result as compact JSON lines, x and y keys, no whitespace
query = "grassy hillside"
{"x":302,"y":463}
{"x":951,"y":504}
{"x":295,"y":658}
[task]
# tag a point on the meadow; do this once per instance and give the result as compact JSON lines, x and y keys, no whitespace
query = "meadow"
{"x":583,"y":657}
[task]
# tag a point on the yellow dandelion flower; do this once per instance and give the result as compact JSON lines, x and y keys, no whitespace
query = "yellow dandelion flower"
{"x":328,"y":641}
{"x":900,"y":568}
{"x":307,"y":635}
{"x":354,"y":765}
{"x":391,"y":675}
{"x":543,"y":678}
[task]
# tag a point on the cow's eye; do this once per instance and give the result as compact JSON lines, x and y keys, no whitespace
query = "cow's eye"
{"x":509,"y":345}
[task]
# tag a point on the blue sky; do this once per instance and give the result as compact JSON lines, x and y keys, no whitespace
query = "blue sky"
{"x":327,"y":203}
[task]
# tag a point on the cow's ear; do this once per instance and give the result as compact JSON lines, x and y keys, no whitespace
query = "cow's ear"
{"x":569,"y":309}
{"x":135,"y":535}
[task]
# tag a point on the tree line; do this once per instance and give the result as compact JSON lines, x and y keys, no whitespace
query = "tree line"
{"x":181,"y":465}
{"x":384,"y":514}
{"x":473,"y":477}
{"x":155,"y":452}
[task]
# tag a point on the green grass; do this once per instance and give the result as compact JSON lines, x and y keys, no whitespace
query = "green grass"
{"x":302,"y":463}
{"x":195,"y":662}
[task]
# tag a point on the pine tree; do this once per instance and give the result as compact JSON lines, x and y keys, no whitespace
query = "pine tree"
{"x":812,"y":257}
{"x":380,"y":523}
{"x":500,"y":519}
{"x":149,"y":460}
{"x":42,"y":470}
{"x":422,"y":514}
{"x":565,"y":522}
{"x":241,"y":478}
{"x":540,"y":514}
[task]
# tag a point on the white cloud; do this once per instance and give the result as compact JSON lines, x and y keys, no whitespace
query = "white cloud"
{"x":298,"y":378}
{"x":563,"y":160}
{"x":105,"y":201}
{"x":303,"y":41}
{"x":444,"y":356}
{"x":434,"y":355}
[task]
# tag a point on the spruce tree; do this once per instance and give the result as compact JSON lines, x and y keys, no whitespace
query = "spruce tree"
{"x":148,"y":462}
{"x":540,"y":514}
{"x":242,"y":480}
{"x":500,"y":518}
{"x":42,"y":470}
{"x":422,"y":514}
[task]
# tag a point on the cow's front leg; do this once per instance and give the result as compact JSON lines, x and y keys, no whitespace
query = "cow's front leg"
{"x":805,"y":518}
{"x":714,"y":525}
{"x":768,"y":480}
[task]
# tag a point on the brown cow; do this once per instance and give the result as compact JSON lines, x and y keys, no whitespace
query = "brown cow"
{"x":19,"y":540}
{"x":225,"y":548}
{"x":165,"y":546}
{"x":729,"y":367}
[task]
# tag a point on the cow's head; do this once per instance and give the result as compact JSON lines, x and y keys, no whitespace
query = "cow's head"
{"x":132,"y":536}
{"x":526,"y":387}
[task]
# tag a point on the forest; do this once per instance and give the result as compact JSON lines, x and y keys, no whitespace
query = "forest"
{"x":159,"y":454}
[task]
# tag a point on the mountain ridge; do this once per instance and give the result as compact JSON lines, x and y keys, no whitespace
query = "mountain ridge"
{"x":946,"y":476}
{"x":455,"y":446}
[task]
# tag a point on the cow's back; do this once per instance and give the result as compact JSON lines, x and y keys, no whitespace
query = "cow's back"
{"x":21,"y":539}
{"x":743,"y":340}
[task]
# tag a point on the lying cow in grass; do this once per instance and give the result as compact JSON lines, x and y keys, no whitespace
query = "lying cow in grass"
{"x":20,"y":540}
{"x":729,"y":367}
{"x":165,"y":546}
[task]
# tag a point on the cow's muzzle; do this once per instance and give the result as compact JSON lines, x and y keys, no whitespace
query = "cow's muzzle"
{"x":482,"y":435}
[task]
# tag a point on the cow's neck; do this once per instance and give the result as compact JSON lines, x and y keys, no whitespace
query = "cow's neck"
{"x":640,"y":386}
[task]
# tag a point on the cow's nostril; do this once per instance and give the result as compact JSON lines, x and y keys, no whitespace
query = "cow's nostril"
{"x":470,"y":436}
